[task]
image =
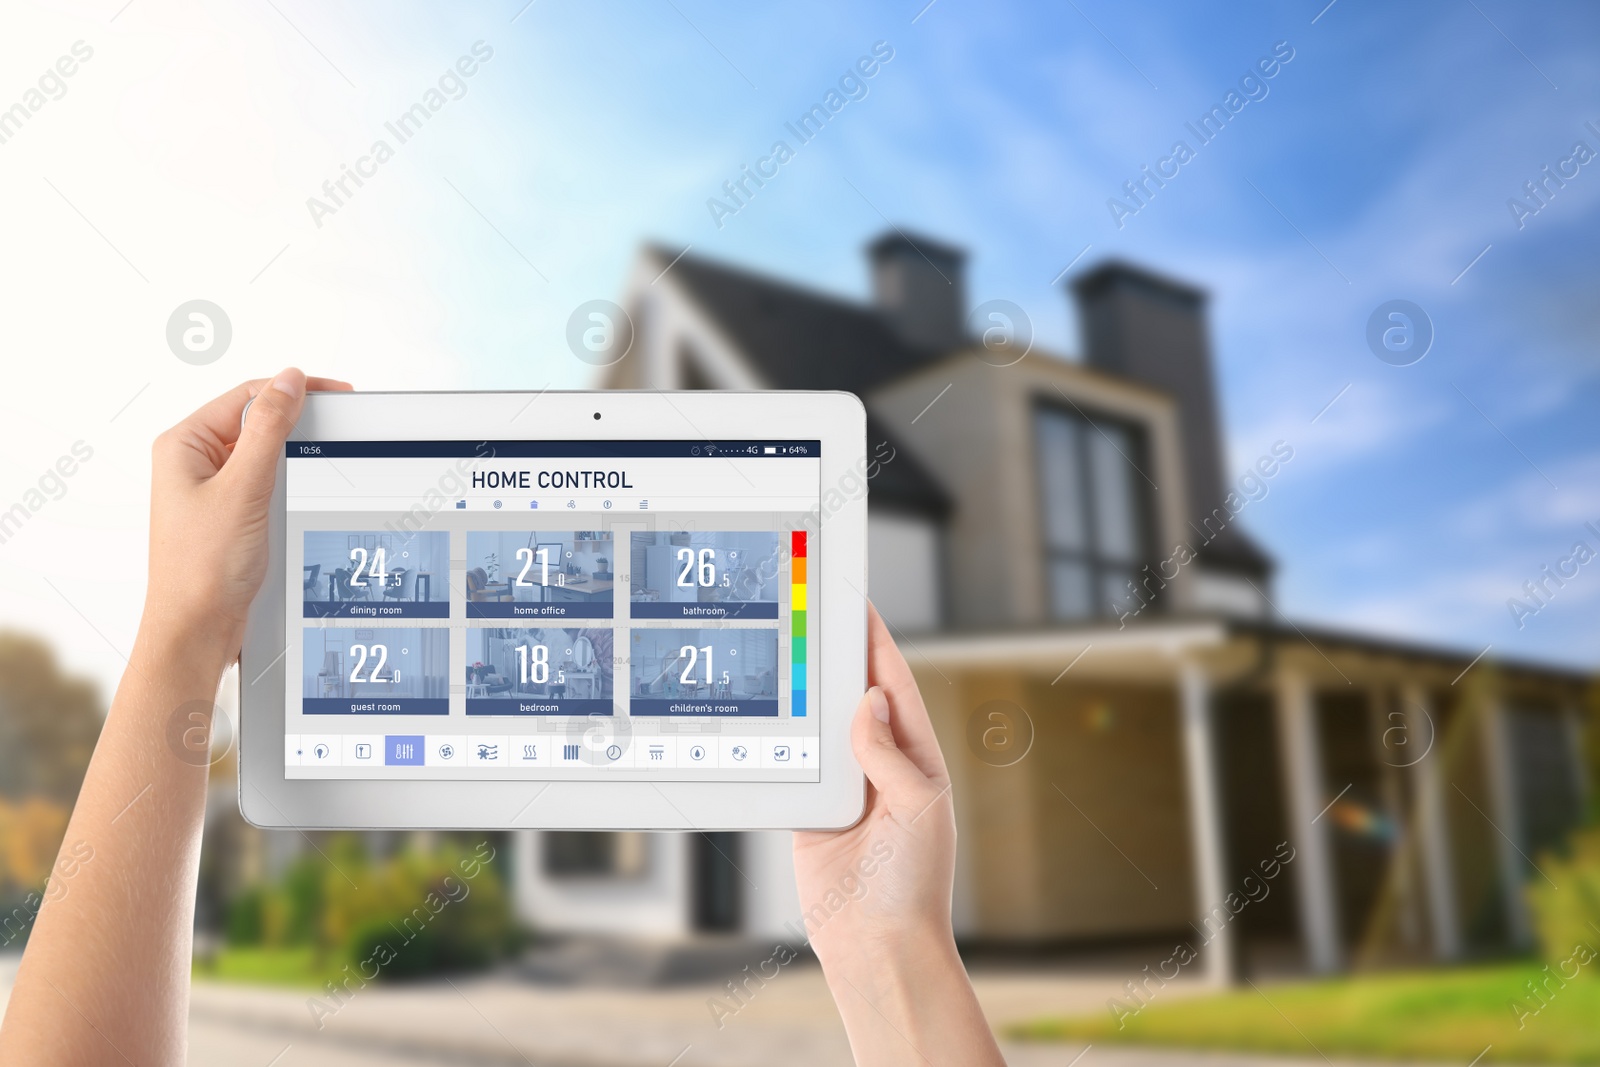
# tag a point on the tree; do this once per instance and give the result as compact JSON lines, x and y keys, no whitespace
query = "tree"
{"x":49,"y":722}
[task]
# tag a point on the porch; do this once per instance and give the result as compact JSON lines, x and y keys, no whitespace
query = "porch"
{"x":1271,"y":797}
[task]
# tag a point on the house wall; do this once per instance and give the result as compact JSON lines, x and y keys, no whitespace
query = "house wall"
{"x":772,"y":908}
{"x":1040,"y":839}
{"x":654,"y":905}
{"x":670,"y":332}
{"x":904,"y":569}
{"x":978,"y":438}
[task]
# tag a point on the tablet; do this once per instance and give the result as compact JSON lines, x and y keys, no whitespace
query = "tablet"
{"x":609,"y":610}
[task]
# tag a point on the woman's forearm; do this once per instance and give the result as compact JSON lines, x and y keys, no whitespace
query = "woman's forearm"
{"x":123,"y":888}
{"x":911,"y":1005}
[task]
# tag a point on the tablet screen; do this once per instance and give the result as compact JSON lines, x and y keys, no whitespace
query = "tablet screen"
{"x":549,"y":610}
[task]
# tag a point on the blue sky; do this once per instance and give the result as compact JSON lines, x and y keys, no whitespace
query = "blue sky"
{"x":1377,"y":167}
{"x":1387,"y":147}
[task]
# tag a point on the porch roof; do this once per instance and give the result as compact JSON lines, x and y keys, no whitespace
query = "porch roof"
{"x":1176,"y":638}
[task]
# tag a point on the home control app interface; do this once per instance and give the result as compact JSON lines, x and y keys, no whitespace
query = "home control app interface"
{"x":552,"y":610}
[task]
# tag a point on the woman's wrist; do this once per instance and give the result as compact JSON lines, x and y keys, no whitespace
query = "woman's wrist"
{"x":193,"y":647}
{"x":891,"y":963}
{"x":910,"y":1001}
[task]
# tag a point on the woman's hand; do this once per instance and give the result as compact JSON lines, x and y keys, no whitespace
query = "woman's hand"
{"x":896,"y":867}
{"x":105,"y":978}
{"x":875,"y":898}
{"x":210,"y":487}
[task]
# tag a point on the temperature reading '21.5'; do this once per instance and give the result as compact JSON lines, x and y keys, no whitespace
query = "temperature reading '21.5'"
{"x":690,"y":657}
{"x":701,"y":568}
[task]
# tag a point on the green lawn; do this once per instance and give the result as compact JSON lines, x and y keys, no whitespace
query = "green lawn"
{"x":1448,"y":1016}
{"x":267,"y":966}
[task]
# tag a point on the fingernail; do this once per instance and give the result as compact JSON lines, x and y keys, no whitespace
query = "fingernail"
{"x":879,"y":704}
{"x":289,"y":382}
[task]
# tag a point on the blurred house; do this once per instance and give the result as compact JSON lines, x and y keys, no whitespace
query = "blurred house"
{"x":1136,"y":737}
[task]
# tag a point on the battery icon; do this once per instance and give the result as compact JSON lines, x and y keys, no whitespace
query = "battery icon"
{"x":770,"y":451}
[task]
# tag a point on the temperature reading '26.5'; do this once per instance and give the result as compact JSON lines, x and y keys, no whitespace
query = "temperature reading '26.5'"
{"x":701,"y":568}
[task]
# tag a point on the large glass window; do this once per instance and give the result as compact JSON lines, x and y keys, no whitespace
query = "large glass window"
{"x":1092,"y":508}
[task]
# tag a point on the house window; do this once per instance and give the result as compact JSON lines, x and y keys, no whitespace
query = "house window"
{"x":691,"y":369}
{"x":1092,"y":511}
{"x":568,"y":854}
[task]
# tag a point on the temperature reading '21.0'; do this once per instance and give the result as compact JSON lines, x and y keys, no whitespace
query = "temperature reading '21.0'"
{"x":528,"y":558}
{"x":533,"y":665}
{"x":701,"y":568}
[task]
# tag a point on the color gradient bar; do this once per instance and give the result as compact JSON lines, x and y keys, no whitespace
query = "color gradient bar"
{"x":797,"y":623}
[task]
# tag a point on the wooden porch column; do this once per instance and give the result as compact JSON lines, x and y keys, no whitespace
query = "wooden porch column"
{"x":1433,"y":828}
{"x":1205,"y":819}
{"x":1506,"y":814}
{"x":1577,"y":739}
{"x":1308,"y":825}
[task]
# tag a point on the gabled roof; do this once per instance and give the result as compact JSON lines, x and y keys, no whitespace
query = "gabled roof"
{"x":797,"y":338}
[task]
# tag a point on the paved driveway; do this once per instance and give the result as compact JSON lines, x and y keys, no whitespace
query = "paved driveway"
{"x":505,"y":1020}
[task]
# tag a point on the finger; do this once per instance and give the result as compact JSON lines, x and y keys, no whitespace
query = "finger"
{"x":887,"y":669}
{"x":254,"y":463}
{"x":220,"y":418}
{"x":903,"y":786}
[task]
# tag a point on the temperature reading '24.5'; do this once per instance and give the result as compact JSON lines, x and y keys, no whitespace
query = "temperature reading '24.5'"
{"x":375,"y":566}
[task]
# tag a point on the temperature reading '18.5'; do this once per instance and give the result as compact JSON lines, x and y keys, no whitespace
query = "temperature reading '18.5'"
{"x":701,"y":568}
{"x":533,"y":665}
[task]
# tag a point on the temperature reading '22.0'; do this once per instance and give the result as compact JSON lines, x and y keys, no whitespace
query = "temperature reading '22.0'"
{"x":379,"y":655}
{"x":700,"y":568}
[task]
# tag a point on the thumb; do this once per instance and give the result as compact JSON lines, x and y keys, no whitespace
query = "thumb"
{"x":272,"y":415}
{"x":905,"y":789}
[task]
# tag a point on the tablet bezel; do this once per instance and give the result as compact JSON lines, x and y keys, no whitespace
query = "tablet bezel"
{"x":268,"y":799}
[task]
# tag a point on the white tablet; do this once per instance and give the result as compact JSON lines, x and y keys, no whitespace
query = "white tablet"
{"x":561,"y":610}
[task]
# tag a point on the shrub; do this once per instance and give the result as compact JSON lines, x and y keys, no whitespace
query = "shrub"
{"x":1569,"y":918}
{"x":423,"y":913}
{"x":411,"y":914}
{"x":246,"y":922}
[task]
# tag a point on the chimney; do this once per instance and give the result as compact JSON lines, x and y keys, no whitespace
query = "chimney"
{"x":1150,"y":329}
{"x":919,"y":286}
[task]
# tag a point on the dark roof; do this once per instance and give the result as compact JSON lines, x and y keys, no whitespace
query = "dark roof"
{"x":900,"y":479}
{"x":798,"y":338}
